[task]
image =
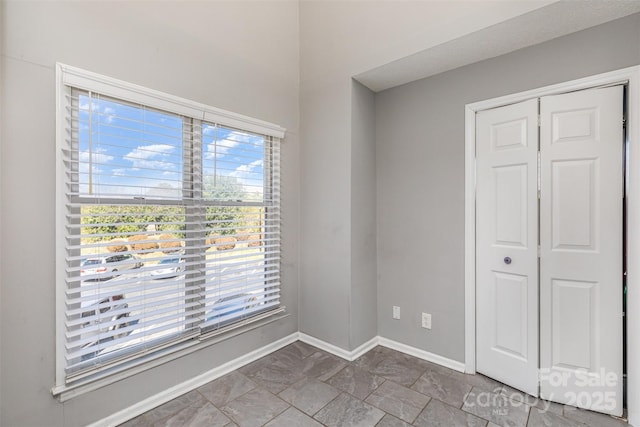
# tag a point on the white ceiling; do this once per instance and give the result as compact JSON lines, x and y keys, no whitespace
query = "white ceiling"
{"x":537,"y":26}
{"x":340,"y":38}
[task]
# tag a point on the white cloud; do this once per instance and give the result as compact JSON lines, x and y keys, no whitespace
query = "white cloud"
{"x":149,"y":151}
{"x":109,"y":113}
{"x":153,"y":164}
{"x":85,"y":106}
{"x":97,"y":157}
{"x":171,"y":175}
{"x":219,"y":149}
{"x":208,"y":130}
{"x":246,"y":171}
{"x":91,"y":173}
{"x":155,"y":156}
{"x":222,"y":147}
{"x":247,"y":175}
{"x":133,"y":188}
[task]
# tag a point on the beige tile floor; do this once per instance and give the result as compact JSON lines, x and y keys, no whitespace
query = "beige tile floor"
{"x":301,"y":385}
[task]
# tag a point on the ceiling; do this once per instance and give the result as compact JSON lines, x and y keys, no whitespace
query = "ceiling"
{"x":537,"y":26}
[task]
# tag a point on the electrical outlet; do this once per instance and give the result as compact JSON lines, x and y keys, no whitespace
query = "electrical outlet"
{"x":426,"y":320}
{"x":396,"y":312}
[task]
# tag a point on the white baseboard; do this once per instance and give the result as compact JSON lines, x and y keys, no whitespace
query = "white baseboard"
{"x":192,"y":384}
{"x":422,"y":354}
{"x":330,"y":348}
{"x":385,"y":342}
{"x":365,"y":348}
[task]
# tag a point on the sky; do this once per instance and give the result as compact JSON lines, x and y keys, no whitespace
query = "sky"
{"x":130,"y":151}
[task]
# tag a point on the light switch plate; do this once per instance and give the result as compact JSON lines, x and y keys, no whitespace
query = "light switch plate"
{"x":426,"y":320}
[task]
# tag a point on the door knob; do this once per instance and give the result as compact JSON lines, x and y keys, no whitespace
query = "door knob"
{"x":507,"y":260}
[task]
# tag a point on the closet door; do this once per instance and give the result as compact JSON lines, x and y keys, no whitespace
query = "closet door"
{"x":581,"y":145}
{"x":506,"y":245}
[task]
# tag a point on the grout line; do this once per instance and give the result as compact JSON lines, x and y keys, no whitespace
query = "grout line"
{"x":499,"y":391}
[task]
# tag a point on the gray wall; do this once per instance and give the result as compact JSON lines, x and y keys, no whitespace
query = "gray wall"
{"x":240,"y":56}
{"x":363,"y":324}
{"x":325,"y":214}
{"x":338,"y":226}
{"x":245,"y":57}
{"x":420,"y":174}
{"x":338,"y":40}
{"x":1,"y":133}
{"x":326,"y":266}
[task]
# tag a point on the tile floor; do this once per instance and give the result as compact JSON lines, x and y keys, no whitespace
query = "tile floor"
{"x":300,"y":385}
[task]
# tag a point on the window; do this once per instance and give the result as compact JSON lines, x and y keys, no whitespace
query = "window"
{"x":168,"y":222}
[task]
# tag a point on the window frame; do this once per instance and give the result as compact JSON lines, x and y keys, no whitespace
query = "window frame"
{"x":69,"y":78}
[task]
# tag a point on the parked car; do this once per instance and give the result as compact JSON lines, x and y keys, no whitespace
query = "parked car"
{"x":168,"y":267}
{"x":109,"y":314}
{"x":232,"y":304}
{"x":108,"y":264}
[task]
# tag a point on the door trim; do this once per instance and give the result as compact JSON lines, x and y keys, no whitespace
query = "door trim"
{"x":631,"y":77}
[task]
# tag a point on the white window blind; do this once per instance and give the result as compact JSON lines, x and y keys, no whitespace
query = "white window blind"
{"x":171,"y":224}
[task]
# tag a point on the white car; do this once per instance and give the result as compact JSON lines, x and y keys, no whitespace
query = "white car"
{"x":168,"y":267}
{"x":104,"y":267}
{"x":226,"y":310}
{"x":103,"y":317}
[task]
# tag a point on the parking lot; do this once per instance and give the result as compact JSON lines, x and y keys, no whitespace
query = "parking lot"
{"x":157,"y":304}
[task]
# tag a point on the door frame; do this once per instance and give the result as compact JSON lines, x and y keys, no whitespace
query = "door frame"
{"x":631,"y":77}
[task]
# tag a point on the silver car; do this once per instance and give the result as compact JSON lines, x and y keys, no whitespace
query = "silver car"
{"x":104,"y":267}
{"x":168,"y":267}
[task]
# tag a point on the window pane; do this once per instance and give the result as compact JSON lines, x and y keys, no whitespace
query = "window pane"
{"x":127,"y":150}
{"x":130,"y":289}
{"x":171,"y":229}
{"x":233,"y":164}
{"x":242,"y":260}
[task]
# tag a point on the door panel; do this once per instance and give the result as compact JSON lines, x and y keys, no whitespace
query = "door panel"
{"x":573,"y":204}
{"x":579,"y":125}
{"x":574,"y":306}
{"x":511,"y":320}
{"x":581,"y":249}
{"x":509,"y":135}
{"x":507,"y":228}
{"x":511,"y":205}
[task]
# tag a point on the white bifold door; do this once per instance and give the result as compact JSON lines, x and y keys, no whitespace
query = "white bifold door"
{"x":581,"y":141}
{"x":507,"y":245}
{"x":549,"y":247}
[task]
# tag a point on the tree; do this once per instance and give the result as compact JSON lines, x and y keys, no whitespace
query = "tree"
{"x":223,"y":188}
{"x":122,"y":221}
{"x":222,"y":220}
